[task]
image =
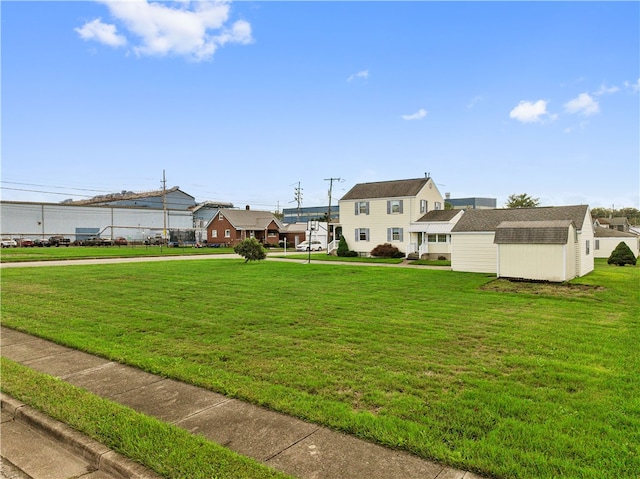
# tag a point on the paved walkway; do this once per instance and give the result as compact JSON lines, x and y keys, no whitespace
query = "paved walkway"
{"x":285,"y":443}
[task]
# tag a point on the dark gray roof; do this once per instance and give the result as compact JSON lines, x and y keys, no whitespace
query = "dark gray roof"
{"x":617,"y":221}
{"x":439,"y":215}
{"x":488,"y":220}
{"x":602,"y":232}
{"x":386,"y":189}
{"x":533,"y":232}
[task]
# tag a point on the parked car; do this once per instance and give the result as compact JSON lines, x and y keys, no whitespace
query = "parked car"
{"x":97,"y":241}
{"x":40,"y":242}
{"x":59,"y":241}
{"x":120,"y":241}
{"x":9,"y":243}
{"x":304,"y":246}
{"x":25,"y":243}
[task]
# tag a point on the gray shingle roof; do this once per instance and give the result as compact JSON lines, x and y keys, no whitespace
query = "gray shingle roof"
{"x":439,"y":215}
{"x":533,"y":232}
{"x":386,"y":189}
{"x":602,"y":232}
{"x":488,"y":220}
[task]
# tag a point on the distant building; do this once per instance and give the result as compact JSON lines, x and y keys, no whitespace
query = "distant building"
{"x":173,"y":198}
{"x":310,"y":213}
{"x":470,"y":203}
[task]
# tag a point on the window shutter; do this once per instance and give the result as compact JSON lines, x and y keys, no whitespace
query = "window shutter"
{"x":389,"y":233}
{"x":388,"y":207}
{"x":401,"y":206}
{"x":367,"y":207}
{"x":367,"y":233}
{"x":357,"y":208}
{"x":401,"y":235}
{"x":357,"y":234}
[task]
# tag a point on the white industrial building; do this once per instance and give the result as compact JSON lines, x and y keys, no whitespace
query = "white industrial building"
{"x":42,"y":220}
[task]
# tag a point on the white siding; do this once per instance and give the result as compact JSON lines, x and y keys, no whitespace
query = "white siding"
{"x":609,"y":243}
{"x":585,"y":259}
{"x":546,"y":262}
{"x":474,"y":252}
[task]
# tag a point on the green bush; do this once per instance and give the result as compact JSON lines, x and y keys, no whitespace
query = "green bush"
{"x":386,"y":250}
{"x":343,"y":248}
{"x":251,"y":250}
{"x":622,"y":255}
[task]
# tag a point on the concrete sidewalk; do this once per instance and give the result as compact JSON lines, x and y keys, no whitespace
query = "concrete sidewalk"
{"x":282,"y":442}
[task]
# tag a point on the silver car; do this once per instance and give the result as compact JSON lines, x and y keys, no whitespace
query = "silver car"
{"x":304,"y":246}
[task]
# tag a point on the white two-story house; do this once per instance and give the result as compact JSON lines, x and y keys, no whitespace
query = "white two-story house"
{"x":382,"y":212}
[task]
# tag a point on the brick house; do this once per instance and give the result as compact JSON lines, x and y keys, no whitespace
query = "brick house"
{"x":229,"y":227}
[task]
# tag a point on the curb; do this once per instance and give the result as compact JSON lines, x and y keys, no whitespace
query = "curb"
{"x":98,"y":455}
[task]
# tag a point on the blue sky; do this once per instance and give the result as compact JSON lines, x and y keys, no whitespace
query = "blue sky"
{"x":241,"y":101}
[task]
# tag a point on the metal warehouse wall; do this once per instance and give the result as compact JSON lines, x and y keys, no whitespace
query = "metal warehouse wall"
{"x":41,"y":220}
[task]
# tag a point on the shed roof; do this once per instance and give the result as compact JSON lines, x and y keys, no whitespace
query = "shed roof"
{"x":386,"y":189}
{"x":533,"y":232}
{"x":488,"y":220}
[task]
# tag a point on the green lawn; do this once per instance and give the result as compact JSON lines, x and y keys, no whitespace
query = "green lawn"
{"x":513,"y":381}
{"x":12,"y":255}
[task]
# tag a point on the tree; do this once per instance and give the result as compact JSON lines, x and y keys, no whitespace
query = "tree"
{"x":622,"y":255}
{"x":251,"y":250}
{"x":343,"y":249}
{"x":522,"y":201}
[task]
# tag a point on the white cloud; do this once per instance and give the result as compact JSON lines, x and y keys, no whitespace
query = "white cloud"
{"x":635,"y":87}
{"x":474,"y":101}
{"x":362,"y":75}
{"x":191,"y":29}
{"x":101,"y":32}
{"x":419,"y":115}
{"x":530,"y":112}
{"x":583,"y":104}
{"x":604,"y":89}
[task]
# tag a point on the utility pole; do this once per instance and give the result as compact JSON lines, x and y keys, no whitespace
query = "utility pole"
{"x":164,"y":208}
{"x":298,"y":198}
{"x":330,"y":180}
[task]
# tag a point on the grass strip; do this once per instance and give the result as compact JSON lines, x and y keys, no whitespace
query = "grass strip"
{"x":168,"y":450}
{"x":19,"y":255}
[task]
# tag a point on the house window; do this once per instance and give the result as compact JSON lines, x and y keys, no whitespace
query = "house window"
{"x":394,"y":207}
{"x":438,"y":205}
{"x":220,"y":217}
{"x":394,"y":234}
{"x":214,"y":233}
{"x":424,"y":206}
{"x":362,"y":207}
{"x":227,"y":233}
{"x":437,"y":238}
{"x":596,"y":245}
{"x":362,"y":234}
{"x":252,"y":234}
{"x":587,"y":247}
